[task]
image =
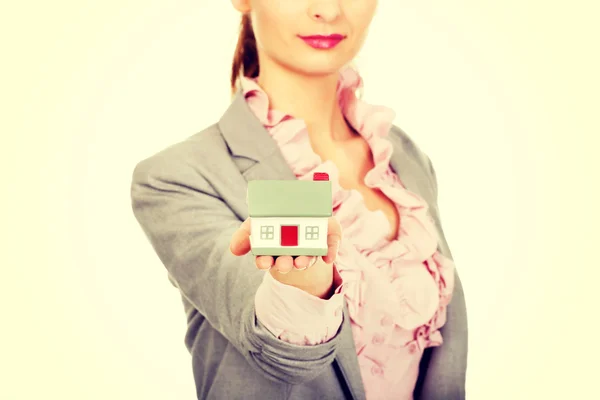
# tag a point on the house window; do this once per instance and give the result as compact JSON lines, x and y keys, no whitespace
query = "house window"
{"x":312,"y":233}
{"x":266,"y":232}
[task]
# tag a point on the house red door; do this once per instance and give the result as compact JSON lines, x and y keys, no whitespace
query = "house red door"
{"x":289,"y":235}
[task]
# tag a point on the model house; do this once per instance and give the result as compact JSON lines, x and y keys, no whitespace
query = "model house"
{"x":290,"y":217}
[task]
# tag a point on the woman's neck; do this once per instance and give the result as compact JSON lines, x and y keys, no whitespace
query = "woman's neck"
{"x":312,"y":99}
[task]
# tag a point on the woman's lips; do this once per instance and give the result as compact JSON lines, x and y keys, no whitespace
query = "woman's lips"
{"x":323,"y":42}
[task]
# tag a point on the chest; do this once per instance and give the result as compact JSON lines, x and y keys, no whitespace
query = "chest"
{"x":354,"y":160}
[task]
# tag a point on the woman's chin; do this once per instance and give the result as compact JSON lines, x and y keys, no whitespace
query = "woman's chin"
{"x":319,"y":68}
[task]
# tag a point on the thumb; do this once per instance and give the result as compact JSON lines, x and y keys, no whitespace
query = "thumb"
{"x":334,"y":238}
{"x":240,"y":240}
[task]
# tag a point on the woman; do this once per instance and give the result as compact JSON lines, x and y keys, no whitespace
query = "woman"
{"x":382,"y":316}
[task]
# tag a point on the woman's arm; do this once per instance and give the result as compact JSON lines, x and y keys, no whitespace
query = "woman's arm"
{"x":190,"y":228}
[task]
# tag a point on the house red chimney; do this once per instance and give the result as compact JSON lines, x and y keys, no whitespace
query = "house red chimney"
{"x":320,"y":176}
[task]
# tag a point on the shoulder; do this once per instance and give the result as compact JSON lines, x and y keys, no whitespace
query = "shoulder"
{"x":197,"y":152}
{"x":193,"y":149}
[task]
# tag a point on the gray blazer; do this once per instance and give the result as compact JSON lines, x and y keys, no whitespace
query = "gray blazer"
{"x":190,"y":197}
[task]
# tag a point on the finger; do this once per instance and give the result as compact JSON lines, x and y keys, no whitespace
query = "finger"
{"x":312,"y":261}
{"x":264,"y":262}
{"x":302,"y":262}
{"x":284,"y":264}
{"x":240,"y":240}
{"x":334,"y":237}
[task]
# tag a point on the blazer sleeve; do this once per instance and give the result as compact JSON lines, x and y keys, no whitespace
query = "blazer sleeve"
{"x":446,"y":370}
{"x":190,"y":228}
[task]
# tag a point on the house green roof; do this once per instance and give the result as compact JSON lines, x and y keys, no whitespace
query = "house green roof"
{"x":289,"y":198}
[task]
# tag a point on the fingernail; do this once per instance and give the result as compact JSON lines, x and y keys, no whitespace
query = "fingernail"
{"x":308,"y":265}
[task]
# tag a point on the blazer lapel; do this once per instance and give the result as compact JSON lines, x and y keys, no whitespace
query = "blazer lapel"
{"x":248,"y":138}
{"x":416,"y":180}
{"x":408,"y":170}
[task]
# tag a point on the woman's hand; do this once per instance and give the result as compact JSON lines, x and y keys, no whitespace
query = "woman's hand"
{"x":312,"y":274}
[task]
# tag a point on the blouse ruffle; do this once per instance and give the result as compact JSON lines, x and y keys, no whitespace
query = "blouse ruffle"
{"x":397,"y":290}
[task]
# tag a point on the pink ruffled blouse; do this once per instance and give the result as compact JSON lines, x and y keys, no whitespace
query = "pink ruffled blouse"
{"x":396,"y":290}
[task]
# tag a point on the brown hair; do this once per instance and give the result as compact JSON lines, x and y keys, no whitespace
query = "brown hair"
{"x":245,"y":59}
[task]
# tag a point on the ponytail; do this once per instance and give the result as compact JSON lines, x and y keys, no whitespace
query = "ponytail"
{"x":245,"y":59}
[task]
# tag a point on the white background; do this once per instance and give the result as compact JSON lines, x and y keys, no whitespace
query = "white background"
{"x":502,"y":95}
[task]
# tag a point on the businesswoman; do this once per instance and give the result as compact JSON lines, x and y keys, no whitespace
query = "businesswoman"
{"x":382,"y":315}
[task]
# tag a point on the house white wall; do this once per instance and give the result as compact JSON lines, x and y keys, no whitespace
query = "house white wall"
{"x":276,"y":222}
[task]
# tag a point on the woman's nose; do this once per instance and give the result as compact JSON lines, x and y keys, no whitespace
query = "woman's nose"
{"x":324,"y":10}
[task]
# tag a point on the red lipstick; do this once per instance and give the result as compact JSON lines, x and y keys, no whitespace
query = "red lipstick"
{"x":323,"y":42}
